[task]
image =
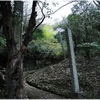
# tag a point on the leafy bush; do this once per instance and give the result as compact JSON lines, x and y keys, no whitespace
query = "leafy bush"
{"x":38,"y":34}
{"x":89,"y":49}
{"x":45,"y":51}
{"x":48,"y":32}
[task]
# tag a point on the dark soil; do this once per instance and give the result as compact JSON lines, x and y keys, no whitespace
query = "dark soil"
{"x":57,"y":78}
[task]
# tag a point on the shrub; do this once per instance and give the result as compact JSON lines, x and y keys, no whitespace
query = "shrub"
{"x":45,"y":51}
{"x":89,"y":49}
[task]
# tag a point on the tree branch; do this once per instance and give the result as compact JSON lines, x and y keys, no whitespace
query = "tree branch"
{"x":31,"y":25}
{"x":97,"y":4}
{"x":41,"y":20}
{"x":32,"y":22}
{"x":63,"y":6}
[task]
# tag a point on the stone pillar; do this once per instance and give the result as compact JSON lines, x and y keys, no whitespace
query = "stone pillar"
{"x":73,"y":69}
{"x":61,"y":42}
{"x":18,"y":23}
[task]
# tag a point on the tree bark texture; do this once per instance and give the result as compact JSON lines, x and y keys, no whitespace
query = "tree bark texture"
{"x":14,"y":69}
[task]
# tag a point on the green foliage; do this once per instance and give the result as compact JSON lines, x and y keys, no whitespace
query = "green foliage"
{"x":89,"y":49}
{"x":48,"y":32}
{"x":93,"y":44}
{"x":85,"y":20}
{"x":38,"y":34}
{"x":42,"y":49}
{"x":84,"y":24}
{"x":44,"y":32}
{"x":43,"y":52}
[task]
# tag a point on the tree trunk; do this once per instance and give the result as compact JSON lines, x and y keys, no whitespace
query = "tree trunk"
{"x":14,"y":77}
{"x":14,"y":69}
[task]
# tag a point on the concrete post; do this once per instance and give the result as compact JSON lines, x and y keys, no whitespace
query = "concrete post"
{"x":60,"y":36}
{"x":74,"y":76}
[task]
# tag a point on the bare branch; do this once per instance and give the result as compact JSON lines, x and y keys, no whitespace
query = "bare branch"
{"x":63,"y":6}
{"x":50,"y":14}
{"x":97,"y":4}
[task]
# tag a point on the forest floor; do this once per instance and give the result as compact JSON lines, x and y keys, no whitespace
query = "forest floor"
{"x":36,"y":93}
{"x":54,"y":81}
{"x":57,"y":78}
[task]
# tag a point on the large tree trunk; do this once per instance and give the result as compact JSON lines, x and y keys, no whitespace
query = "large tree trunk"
{"x":14,"y":77}
{"x":14,"y":69}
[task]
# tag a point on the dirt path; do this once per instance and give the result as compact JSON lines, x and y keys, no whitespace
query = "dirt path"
{"x":35,"y":93}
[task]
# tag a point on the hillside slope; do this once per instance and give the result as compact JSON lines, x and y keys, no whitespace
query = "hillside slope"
{"x":57,"y":78}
